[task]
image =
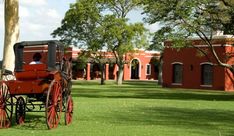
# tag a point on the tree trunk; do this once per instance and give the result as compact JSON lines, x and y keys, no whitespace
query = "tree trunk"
{"x":11,"y":33}
{"x":160,"y":78}
{"x":102,"y":74}
{"x":120,"y":75}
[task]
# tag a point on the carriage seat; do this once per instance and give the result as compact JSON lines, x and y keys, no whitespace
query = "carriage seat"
{"x":32,"y":72}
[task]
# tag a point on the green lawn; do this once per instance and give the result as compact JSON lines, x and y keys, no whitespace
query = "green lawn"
{"x":138,"y":109}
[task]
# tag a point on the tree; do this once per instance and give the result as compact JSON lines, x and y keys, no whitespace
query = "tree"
{"x":157,"y":44}
{"x":11,"y":9}
{"x":102,"y":25}
{"x":229,"y":26}
{"x":187,"y":18}
{"x":97,"y":57}
{"x":121,"y":38}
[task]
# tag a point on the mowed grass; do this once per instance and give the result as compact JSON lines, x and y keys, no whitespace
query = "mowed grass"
{"x":138,"y":109}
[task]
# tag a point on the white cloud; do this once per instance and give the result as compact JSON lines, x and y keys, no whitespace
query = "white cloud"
{"x":35,"y":27}
{"x":33,"y":2}
{"x":1,"y":28}
{"x":39,"y":23}
{"x":153,"y":27}
{"x":1,"y":14}
{"x":38,"y":18}
{"x":24,"y":12}
{"x":53,"y":13}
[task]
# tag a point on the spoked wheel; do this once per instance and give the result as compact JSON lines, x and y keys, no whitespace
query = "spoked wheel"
{"x":6,"y":106}
{"x":53,"y":104}
{"x":20,"y":110}
{"x":68,"y":110}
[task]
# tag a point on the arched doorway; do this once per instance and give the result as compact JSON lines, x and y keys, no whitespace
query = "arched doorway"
{"x":135,"y":69}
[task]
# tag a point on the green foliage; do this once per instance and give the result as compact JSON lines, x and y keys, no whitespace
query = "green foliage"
{"x":134,"y":64}
{"x":229,"y":26}
{"x":102,"y":25}
{"x":183,"y":19}
{"x":187,"y":18}
{"x":121,"y":36}
{"x":79,"y":24}
{"x":121,"y":8}
{"x":95,"y":25}
{"x":82,"y":61}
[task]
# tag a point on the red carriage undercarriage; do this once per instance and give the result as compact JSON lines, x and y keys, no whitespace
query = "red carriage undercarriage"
{"x":37,"y":87}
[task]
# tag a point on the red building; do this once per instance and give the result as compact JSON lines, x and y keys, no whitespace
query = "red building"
{"x":141,"y":65}
{"x":187,"y":69}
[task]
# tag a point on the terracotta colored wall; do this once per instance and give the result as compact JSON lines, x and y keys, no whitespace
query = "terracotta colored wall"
{"x":192,"y":69}
{"x":144,"y":59}
{"x":29,"y":52}
{"x":229,"y":78}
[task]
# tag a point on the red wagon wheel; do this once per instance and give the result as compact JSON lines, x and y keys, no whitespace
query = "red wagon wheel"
{"x":53,"y":104}
{"x":68,"y":110}
{"x":20,"y":110}
{"x":6,"y":106}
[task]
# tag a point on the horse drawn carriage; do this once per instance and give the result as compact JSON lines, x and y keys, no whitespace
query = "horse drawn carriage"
{"x":36,"y":87}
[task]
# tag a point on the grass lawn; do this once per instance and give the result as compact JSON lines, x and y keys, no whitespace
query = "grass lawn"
{"x":138,"y":109}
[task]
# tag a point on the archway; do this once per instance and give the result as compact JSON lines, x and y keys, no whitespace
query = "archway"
{"x":135,"y":69}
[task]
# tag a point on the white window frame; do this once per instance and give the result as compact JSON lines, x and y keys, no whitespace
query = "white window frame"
{"x":149,"y":69}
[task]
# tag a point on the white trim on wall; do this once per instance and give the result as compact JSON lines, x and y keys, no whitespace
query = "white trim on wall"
{"x":150,"y":69}
{"x":177,"y":63}
{"x":209,"y":63}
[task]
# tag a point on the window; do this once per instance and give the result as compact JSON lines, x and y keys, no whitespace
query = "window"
{"x":148,"y":69}
{"x":177,"y":73}
{"x":206,"y":74}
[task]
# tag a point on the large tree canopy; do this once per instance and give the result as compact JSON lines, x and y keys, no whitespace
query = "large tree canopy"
{"x":181,"y":19}
{"x":229,"y":26}
{"x":102,"y":25}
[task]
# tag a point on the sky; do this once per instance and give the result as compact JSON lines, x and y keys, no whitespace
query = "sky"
{"x":38,"y":19}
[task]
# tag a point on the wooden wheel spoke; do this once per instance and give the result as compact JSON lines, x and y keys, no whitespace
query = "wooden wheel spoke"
{"x":69,"y":110}
{"x":1,"y":97}
{"x":8,"y":109}
{"x":49,"y":107}
{"x":53,"y":104}
{"x":5,"y":106}
{"x":8,"y":116}
{"x":20,"y":110}
{"x":51,"y":112}
{"x":51,"y":117}
{"x":57,"y":114}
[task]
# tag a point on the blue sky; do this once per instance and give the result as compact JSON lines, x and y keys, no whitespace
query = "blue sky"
{"x":38,"y":18}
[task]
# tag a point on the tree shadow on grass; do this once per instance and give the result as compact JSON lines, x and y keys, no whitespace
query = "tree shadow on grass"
{"x":126,"y":84}
{"x":147,"y":94}
{"x":199,"y":121}
{"x":145,"y":90}
{"x":33,"y":122}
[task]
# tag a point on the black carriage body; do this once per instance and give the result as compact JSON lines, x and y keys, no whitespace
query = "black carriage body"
{"x":55,"y":53}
